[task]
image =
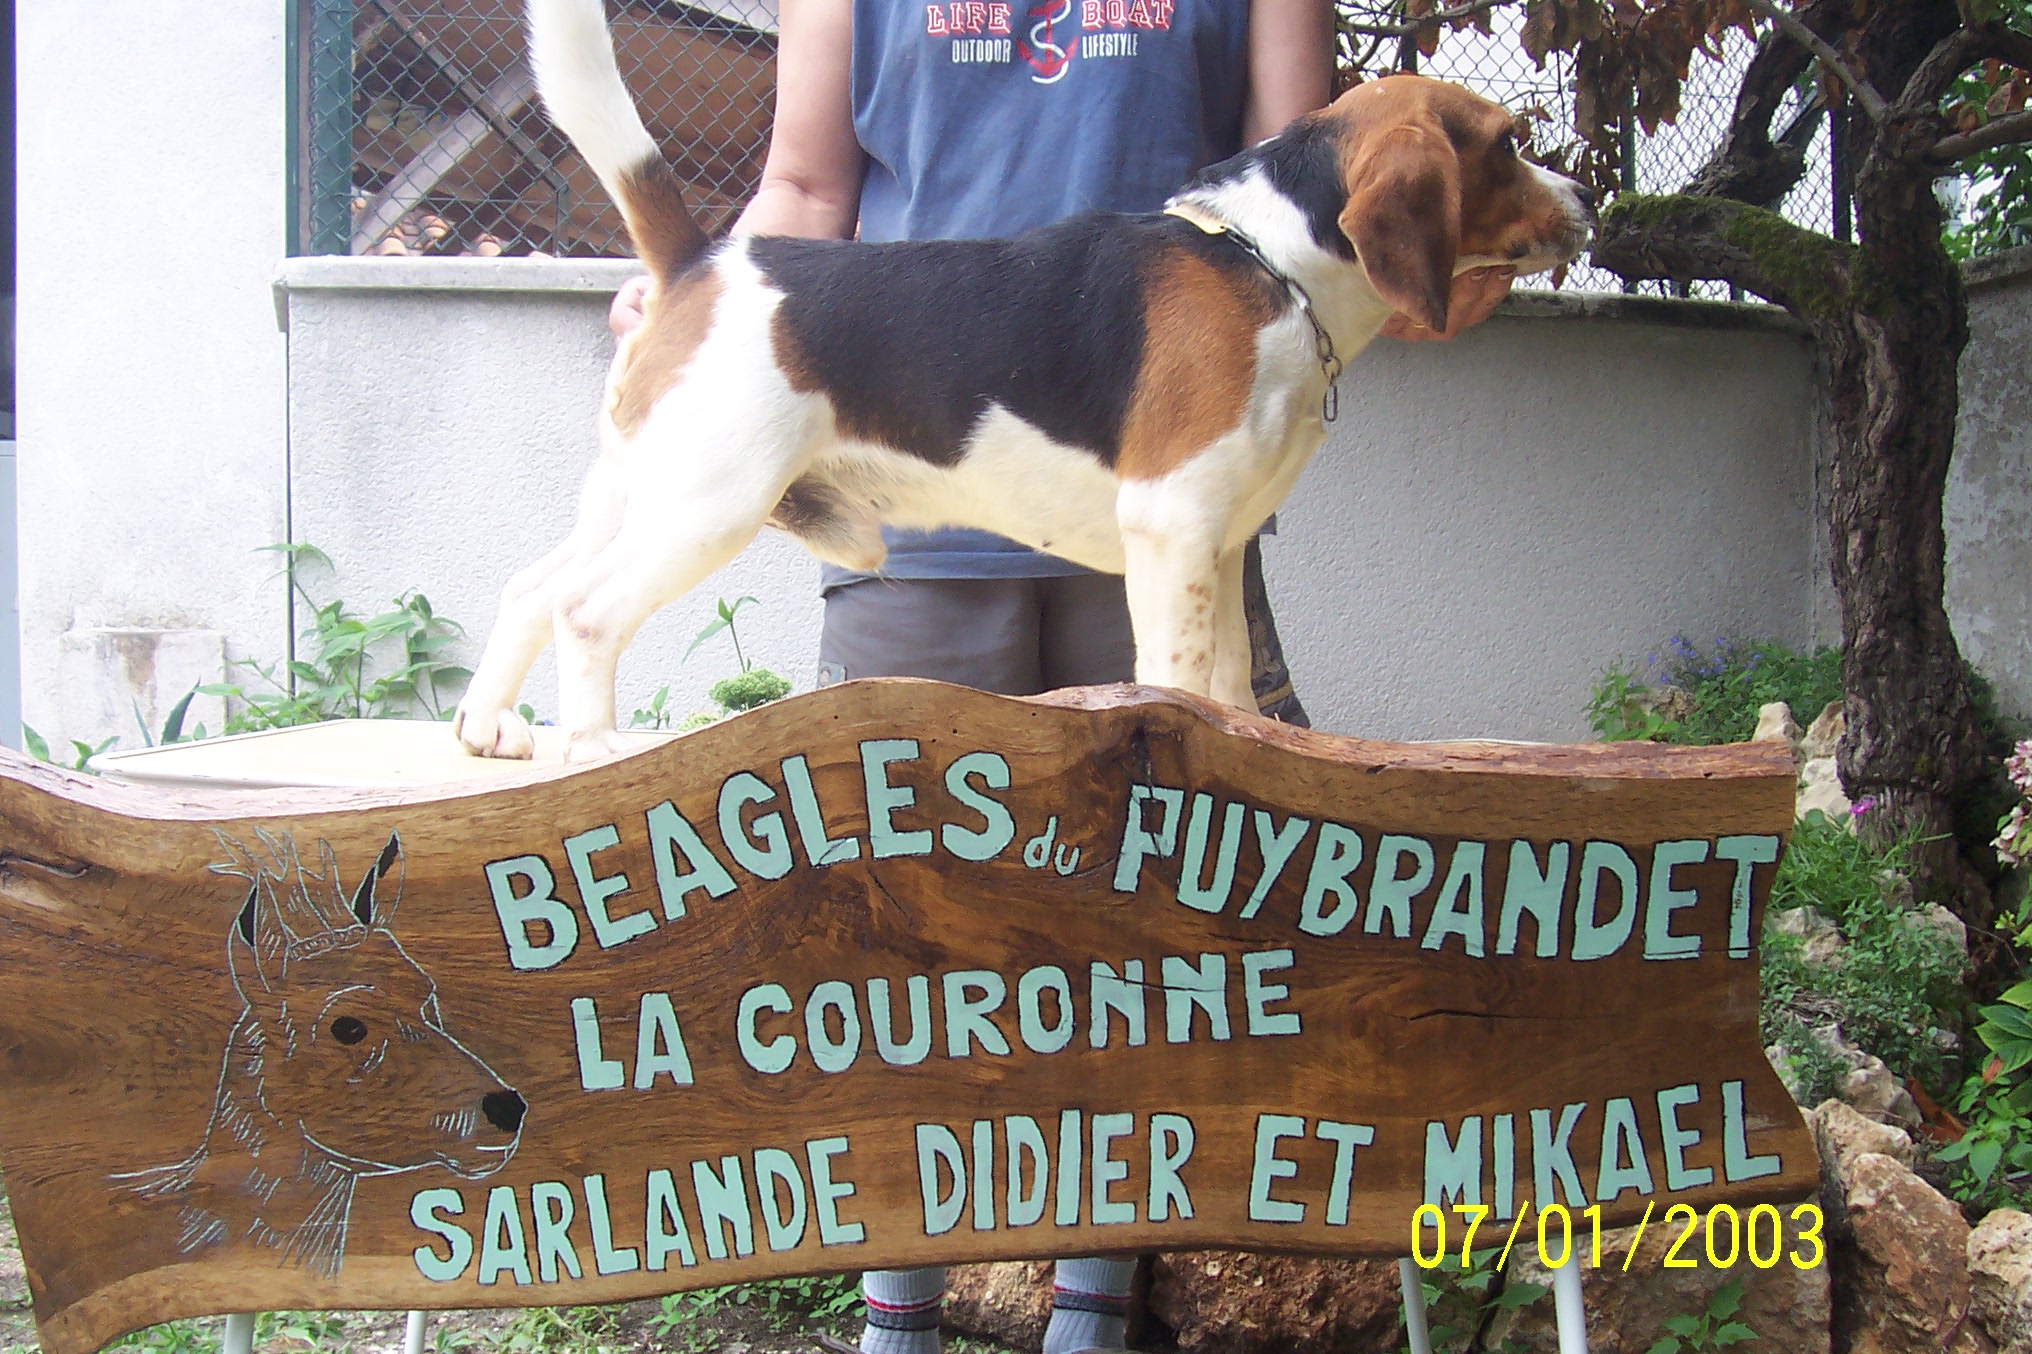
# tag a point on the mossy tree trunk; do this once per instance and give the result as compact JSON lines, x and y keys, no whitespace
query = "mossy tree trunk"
{"x":1890,"y":316}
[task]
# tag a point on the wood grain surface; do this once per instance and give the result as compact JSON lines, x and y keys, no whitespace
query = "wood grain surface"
{"x":751,"y":1002}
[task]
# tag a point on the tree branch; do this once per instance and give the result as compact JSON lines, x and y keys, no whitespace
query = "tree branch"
{"x":2004,"y":131}
{"x":1949,"y":58}
{"x":1425,"y":21}
{"x":1683,"y":238}
{"x":1865,"y":93}
{"x":2008,"y":44}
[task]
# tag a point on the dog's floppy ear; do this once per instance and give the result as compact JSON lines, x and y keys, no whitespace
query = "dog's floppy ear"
{"x":1403,"y":218}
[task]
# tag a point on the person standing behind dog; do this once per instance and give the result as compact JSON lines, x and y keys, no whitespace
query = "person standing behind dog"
{"x":986,"y":118}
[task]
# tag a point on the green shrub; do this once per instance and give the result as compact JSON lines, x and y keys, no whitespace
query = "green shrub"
{"x":1894,"y":980}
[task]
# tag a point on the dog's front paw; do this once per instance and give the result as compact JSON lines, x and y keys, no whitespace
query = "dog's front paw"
{"x":494,"y":733}
{"x":594,"y":745}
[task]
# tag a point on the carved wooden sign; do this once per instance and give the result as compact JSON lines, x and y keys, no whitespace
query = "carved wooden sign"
{"x":890,"y":974}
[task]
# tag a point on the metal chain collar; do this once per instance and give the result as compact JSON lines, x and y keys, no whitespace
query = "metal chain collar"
{"x":1323,"y":344}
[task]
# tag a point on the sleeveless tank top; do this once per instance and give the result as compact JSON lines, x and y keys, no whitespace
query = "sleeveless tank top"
{"x":987,"y":118}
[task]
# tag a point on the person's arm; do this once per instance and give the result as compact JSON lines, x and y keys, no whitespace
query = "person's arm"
{"x":811,"y":181}
{"x":1291,"y":56}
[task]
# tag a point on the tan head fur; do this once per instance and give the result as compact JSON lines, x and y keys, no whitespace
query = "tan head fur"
{"x":1435,"y":184}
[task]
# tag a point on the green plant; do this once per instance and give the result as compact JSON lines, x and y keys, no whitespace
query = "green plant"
{"x":1720,"y":691}
{"x":1712,"y":1329}
{"x":1996,"y":209}
{"x":188,"y":1336}
{"x":1894,"y":980}
{"x":560,"y":1330}
{"x":1620,"y":708}
{"x":385,"y":666}
{"x":1471,"y":1295}
{"x":725,"y":621}
{"x":655,"y":716}
{"x":748,"y":689}
{"x":315,"y":1330}
{"x":823,"y":1298}
{"x":81,"y":751}
{"x":1993,"y":1156}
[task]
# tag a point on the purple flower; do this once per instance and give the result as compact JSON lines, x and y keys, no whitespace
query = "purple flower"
{"x":1861,"y":807}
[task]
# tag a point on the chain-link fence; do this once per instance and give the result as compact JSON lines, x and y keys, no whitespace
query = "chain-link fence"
{"x":1495,"y":65}
{"x":420,"y":132}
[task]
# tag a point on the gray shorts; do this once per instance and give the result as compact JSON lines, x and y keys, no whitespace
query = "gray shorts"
{"x":1012,"y":636}
{"x":1018,"y":636}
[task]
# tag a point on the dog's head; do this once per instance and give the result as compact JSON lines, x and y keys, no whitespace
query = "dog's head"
{"x":1435,"y":185}
{"x":1417,"y":180}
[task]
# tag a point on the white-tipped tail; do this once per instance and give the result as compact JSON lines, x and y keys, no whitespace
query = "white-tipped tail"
{"x":573,"y":57}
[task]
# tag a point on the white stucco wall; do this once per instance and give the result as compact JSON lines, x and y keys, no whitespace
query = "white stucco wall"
{"x":441,"y":421}
{"x":1492,"y":520}
{"x":1989,"y":489}
{"x":151,"y":376}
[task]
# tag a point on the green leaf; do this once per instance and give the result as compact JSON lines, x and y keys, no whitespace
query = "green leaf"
{"x":1735,"y":1332}
{"x":2010,"y":1018}
{"x":1984,"y":1156}
{"x":1725,"y":1300}
{"x":2020,"y":996}
{"x":1668,"y":1345}
{"x":172,"y":727}
{"x":1684,"y":1326}
{"x":1516,"y":1294}
{"x":32,"y":740}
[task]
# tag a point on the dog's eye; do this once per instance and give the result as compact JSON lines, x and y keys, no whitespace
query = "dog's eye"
{"x":349,"y":1029}
{"x":1506,"y":145}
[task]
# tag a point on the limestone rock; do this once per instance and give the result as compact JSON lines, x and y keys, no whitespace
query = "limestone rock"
{"x":1842,"y":1135}
{"x":1938,"y":920}
{"x":1227,"y":1302}
{"x":1786,"y":1306}
{"x":1820,"y":788}
{"x":1868,"y":1084}
{"x":1009,"y":1301}
{"x":1824,"y":735}
{"x":1896,"y":890}
{"x":1901,"y":1278}
{"x":1820,"y":940}
{"x":2000,"y":1279}
{"x":1775,"y":724}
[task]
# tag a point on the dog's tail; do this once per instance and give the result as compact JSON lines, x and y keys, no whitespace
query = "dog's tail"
{"x":573,"y":56}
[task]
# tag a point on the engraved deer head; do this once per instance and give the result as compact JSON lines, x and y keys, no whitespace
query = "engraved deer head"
{"x":339,"y":1066}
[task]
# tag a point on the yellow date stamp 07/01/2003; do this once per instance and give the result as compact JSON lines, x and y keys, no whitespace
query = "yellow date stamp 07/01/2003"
{"x":1765,"y":1236}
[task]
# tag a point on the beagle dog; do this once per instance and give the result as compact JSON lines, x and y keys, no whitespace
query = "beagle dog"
{"x":1136,"y":393}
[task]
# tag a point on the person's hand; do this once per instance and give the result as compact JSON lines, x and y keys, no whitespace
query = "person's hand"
{"x":630,"y":307}
{"x":1475,"y":294}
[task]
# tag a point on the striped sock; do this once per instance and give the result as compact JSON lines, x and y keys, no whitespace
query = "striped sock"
{"x":1089,"y":1305}
{"x":903,"y":1310}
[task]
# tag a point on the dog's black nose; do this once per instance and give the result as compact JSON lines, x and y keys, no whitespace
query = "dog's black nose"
{"x":504,"y":1110}
{"x":1586,"y":195}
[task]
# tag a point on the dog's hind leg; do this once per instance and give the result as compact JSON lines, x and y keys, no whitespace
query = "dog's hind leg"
{"x":667,"y":543}
{"x":486,"y":721}
{"x":1234,"y":661}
